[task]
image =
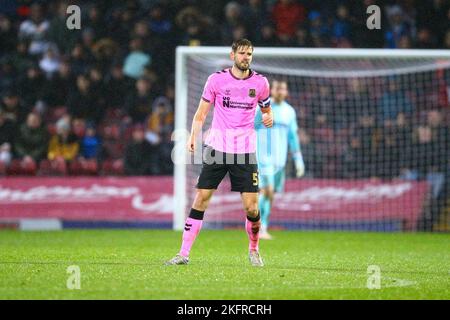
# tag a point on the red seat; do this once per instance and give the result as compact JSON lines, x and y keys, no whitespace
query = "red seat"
{"x":84,"y":167}
{"x":52,"y":168}
{"x":21,"y":168}
{"x":112,"y":168}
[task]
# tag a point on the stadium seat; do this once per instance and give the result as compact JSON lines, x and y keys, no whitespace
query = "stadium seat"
{"x":83,"y":167}
{"x":22,"y":168}
{"x":52,"y":168}
{"x":3,"y":168}
{"x":112,"y":167}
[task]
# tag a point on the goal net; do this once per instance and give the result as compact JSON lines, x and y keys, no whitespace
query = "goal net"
{"x":373,"y":132}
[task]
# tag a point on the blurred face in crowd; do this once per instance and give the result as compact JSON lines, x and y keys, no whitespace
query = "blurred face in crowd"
{"x":401,"y":119}
{"x":267,"y":32}
{"x":90,"y":132}
{"x":143,"y":86}
{"x":279,"y":91}
{"x":93,"y":13}
{"x":64,"y":69}
{"x":11,"y":101}
{"x":117,"y":72}
{"x":242,"y":57}
{"x":232,"y":11}
{"x":141,"y":29}
{"x":136,"y":44}
{"x":304,"y":137}
{"x":32,"y":73}
{"x":22,"y":47}
{"x":342,"y":12}
{"x":5,"y":23}
{"x":404,"y":42}
{"x":83,"y":83}
{"x":434,"y":118}
{"x":138,"y":135}
{"x":239,"y":32}
{"x":36,"y":13}
{"x":95,"y":75}
{"x":254,"y":3}
{"x":33,"y":121}
{"x":424,"y":134}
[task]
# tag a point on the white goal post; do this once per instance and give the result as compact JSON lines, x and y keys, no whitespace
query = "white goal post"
{"x":182,"y":104}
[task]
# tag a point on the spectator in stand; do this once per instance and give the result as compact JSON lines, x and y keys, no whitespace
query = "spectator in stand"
{"x":58,"y":33}
{"x":318,"y":30}
{"x":302,"y":37}
{"x":64,"y":145}
{"x":80,"y":58}
{"x":310,"y":156}
{"x":404,"y":138}
{"x":50,"y":62}
{"x":360,"y":159}
{"x":94,"y":20}
{"x":160,"y":25}
{"x":196,"y":28}
{"x":13,"y":107}
{"x":255,"y":12}
{"x":429,"y":162}
{"x":19,"y":59}
{"x":428,"y":159}
{"x":138,"y":154}
{"x":7,"y":136}
{"x":116,"y":87}
{"x":233,"y":18}
{"x":90,"y":143}
{"x":341,"y":28}
{"x":136,"y":60}
{"x":83,"y":101}
{"x":58,"y":88}
{"x":425,"y":40}
{"x":7,"y":36}
{"x":394,"y":101}
{"x":268,"y":37}
{"x":387,"y":155}
{"x":138,"y":103}
{"x":30,"y":145}
{"x":398,"y":26}
{"x":35,"y":30}
{"x":32,"y":86}
{"x":447,"y":40}
{"x":287,"y":16}
{"x":112,"y":149}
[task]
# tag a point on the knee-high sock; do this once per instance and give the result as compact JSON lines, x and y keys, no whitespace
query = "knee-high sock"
{"x":252,"y":226}
{"x":191,"y":229}
{"x":264,"y":208}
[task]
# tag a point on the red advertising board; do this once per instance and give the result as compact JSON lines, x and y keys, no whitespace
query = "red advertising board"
{"x":150,"y":199}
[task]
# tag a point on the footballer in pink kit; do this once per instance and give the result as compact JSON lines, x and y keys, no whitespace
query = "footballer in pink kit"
{"x":230,"y":145}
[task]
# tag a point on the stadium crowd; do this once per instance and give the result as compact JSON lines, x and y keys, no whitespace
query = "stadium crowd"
{"x":100,"y":100}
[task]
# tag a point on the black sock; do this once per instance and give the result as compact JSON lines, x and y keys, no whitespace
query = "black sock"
{"x":254,"y":219}
{"x":196,"y":214}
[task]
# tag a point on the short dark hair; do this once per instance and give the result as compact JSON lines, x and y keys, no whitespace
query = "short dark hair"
{"x":241,"y":43}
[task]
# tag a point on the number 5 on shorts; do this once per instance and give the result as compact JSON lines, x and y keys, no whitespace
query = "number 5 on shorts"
{"x":255,"y":178}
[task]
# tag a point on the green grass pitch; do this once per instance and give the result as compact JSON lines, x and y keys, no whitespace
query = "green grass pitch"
{"x":127,"y":264}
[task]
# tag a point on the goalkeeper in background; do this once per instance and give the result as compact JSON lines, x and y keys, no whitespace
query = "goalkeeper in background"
{"x":272,"y":150}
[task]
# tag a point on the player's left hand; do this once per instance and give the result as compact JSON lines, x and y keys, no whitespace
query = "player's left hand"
{"x":267,"y":119}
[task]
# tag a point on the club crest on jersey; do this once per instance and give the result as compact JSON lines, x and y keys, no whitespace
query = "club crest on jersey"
{"x":252,"y":93}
